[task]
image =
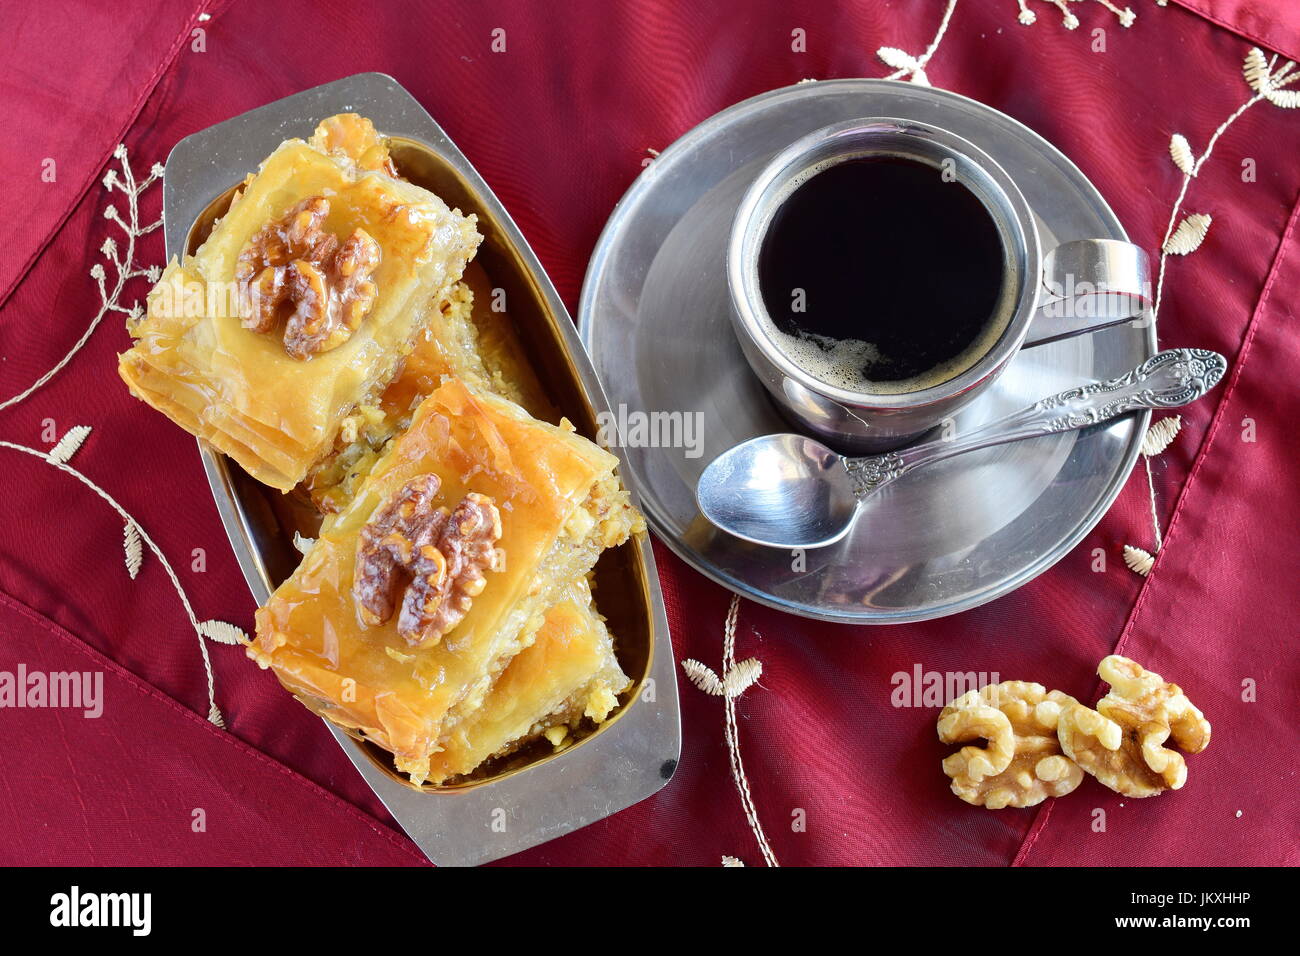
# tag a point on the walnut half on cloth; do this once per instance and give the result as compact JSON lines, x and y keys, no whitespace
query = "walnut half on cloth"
{"x":1022,"y":765}
{"x":1122,"y":742}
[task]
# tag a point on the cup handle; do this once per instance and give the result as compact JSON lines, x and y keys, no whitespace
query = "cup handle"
{"x":1090,"y":284}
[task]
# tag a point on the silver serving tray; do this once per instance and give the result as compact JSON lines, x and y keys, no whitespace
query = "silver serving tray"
{"x":526,"y":802}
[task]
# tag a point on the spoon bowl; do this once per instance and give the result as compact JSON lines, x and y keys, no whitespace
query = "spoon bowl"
{"x":784,"y":488}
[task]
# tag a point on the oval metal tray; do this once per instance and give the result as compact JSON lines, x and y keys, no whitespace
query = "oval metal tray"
{"x":542,"y":794}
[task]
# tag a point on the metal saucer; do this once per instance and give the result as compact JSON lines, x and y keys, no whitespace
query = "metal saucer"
{"x":654,"y":317}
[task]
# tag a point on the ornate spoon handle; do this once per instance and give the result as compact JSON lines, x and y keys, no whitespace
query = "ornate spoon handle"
{"x":1166,"y":380}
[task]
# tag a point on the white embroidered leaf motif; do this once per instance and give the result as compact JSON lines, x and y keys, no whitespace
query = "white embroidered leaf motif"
{"x":1181,"y":152}
{"x":898,"y":59}
{"x":67,"y":445}
{"x":1160,"y":434}
{"x":125,"y":268}
{"x":133,"y":547}
{"x":1126,"y":17}
{"x":1138,"y":560}
{"x":1287,"y":99}
{"x":702,"y":676}
{"x":1189,"y":235}
{"x":1255,"y":70}
{"x":1273,"y":92}
{"x":731,"y":861}
{"x":742,"y":677}
{"x":222,"y":633}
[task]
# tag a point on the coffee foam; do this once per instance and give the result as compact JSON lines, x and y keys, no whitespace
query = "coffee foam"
{"x":840,"y":362}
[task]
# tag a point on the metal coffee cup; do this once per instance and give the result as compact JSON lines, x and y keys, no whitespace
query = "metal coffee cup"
{"x":1078,"y":287}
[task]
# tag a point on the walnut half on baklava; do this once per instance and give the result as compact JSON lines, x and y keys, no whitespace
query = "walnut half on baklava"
{"x":300,"y":304}
{"x":411,"y":605}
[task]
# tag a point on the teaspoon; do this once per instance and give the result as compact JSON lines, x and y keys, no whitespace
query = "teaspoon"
{"x":791,"y":491}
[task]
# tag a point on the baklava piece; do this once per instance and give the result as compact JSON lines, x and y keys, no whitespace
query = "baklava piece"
{"x":568,"y":674}
{"x":300,"y":305}
{"x":417,"y":596}
{"x":461,"y":336}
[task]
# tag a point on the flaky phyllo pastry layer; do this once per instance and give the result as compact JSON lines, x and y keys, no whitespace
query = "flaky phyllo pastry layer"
{"x":461,"y":337}
{"x":301,"y":303}
{"x":568,"y":673}
{"x":560,"y":505}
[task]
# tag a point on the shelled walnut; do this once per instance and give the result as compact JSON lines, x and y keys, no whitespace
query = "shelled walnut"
{"x":436,"y":561}
{"x":1023,"y":764}
{"x":295,"y":271}
{"x":1122,"y":742}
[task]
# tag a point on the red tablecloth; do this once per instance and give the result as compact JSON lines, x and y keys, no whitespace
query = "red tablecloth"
{"x":559,"y":124}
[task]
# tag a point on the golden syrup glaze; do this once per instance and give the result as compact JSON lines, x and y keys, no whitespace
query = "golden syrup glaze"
{"x":369,"y":678}
{"x":510,"y":348}
{"x":468,"y":337}
{"x":275,"y":415}
{"x":464,"y":337}
{"x":570,"y":659}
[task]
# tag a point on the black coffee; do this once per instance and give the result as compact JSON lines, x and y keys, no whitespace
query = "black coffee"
{"x":881,"y":271}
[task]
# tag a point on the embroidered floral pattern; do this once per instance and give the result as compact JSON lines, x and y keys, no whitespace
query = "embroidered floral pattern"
{"x":1268,"y":81}
{"x":111,"y":294}
{"x":735,"y":680}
